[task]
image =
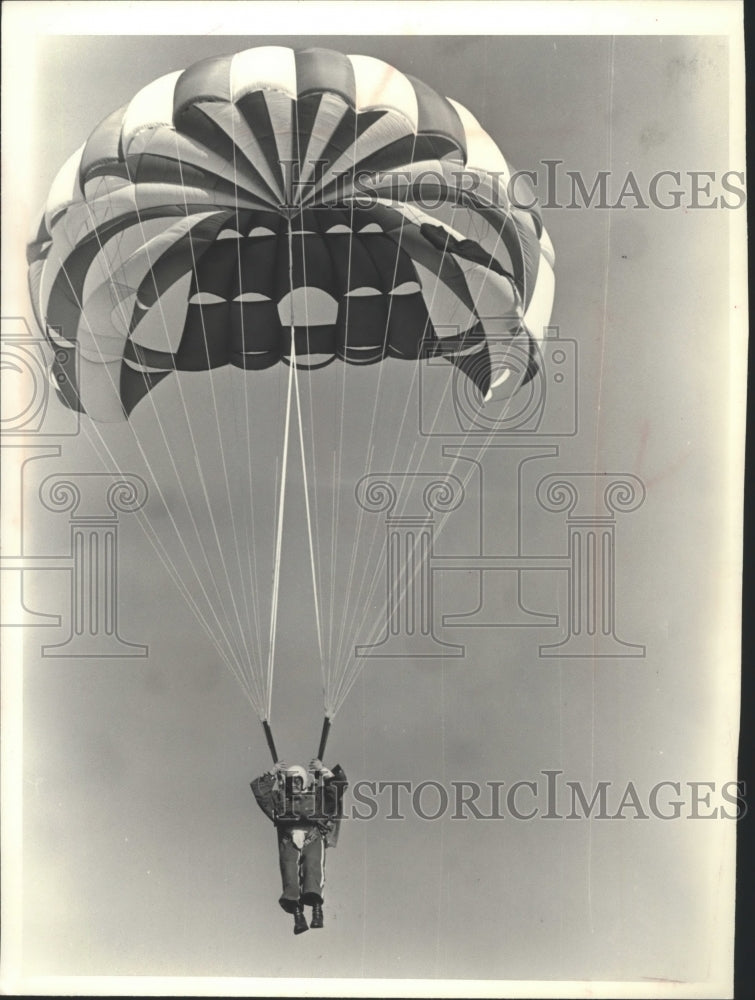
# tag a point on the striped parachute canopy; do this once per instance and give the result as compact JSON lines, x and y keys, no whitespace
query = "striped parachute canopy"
{"x":240,"y":226}
{"x":276,"y":203}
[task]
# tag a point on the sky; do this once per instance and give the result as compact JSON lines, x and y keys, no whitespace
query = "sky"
{"x":144,"y":853}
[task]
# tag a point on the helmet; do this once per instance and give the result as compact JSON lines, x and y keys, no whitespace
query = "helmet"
{"x":296,"y":770}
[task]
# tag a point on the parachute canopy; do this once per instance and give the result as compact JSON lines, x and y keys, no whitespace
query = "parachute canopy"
{"x":283,"y":203}
{"x":255,"y":218}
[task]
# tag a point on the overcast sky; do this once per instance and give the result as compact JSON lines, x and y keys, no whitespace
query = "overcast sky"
{"x":144,"y":852}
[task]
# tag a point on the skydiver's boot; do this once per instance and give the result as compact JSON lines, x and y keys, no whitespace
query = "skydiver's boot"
{"x":300,"y":921}
{"x":317,"y":917}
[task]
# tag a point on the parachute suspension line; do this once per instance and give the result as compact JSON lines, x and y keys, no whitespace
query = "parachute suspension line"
{"x":464,"y":442}
{"x":519,"y":303}
{"x":103,"y":450}
{"x":313,"y":547}
{"x":192,"y":604}
{"x":343,"y":637}
{"x":249,"y":519}
{"x":104,"y":453}
{"x":338,"y":453}
{"x":234,"y":666}
{"x":350,"y":675}
{"x":144,"y":518}
{"x":292,"y":390}
{"x":315,"y":588}
{"x":281,"y":501}
{"x":441,"y":522}
{"x":221,"y":449}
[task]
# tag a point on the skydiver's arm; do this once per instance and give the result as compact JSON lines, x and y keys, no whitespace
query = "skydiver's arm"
{"x":339,"y":777}
{"x":338,"y":774}
{"x":333,"y":791}
{"x":263,"y":788}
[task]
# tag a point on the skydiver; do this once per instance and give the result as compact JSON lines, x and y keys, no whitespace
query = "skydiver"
{"x":306,"y":807}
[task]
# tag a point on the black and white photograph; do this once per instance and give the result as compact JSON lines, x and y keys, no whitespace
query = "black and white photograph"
{"x":373,"y":425}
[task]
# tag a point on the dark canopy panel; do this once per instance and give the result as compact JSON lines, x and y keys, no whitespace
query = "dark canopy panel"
{"x":276,"y":204}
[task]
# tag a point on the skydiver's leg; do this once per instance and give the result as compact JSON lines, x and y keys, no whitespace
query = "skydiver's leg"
{"x":289,"y":856}
{"x":313,"y":871}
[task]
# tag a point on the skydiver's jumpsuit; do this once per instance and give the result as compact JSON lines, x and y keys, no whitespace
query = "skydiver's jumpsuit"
{"x":307,"y":823}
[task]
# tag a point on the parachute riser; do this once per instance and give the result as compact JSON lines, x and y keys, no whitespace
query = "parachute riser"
{"x":270,"y":740}
{"x":320,"y":750}
{"x":323,"y":738}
